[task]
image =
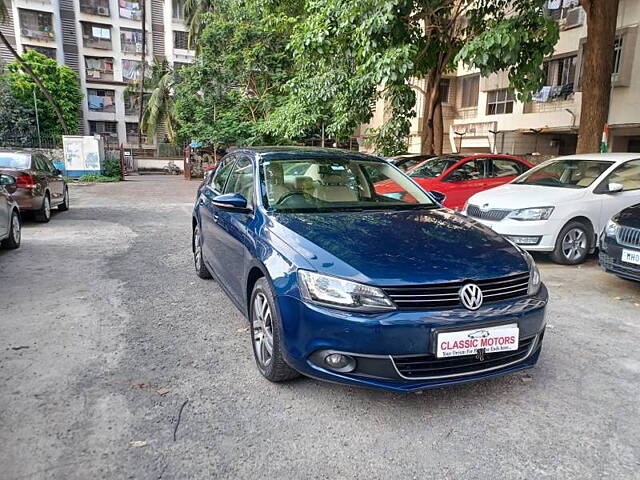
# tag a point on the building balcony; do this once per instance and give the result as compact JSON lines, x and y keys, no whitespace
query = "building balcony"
{"x":557,"y":105}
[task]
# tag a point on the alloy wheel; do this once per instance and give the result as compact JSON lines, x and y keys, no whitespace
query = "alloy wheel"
{"x":15,"y":226}
{"x":197,"y":249}
{"x":574,"y":244}
{"x":262,"y":327}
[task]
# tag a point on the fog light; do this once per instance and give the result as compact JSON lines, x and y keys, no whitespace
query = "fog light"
{"x":524,"y":239}
{"x":340,"y":362}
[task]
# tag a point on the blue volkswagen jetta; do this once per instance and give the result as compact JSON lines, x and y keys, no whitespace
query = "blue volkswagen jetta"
{"x":342,"y":283}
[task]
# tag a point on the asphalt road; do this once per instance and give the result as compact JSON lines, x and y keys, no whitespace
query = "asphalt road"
{"x":100,"y":310}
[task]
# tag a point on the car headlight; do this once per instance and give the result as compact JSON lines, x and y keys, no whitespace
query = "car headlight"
{"x":340,"y":293}
{"x":534,"y":275}
{"x":611,"y":229}
{"x":537,"y":213}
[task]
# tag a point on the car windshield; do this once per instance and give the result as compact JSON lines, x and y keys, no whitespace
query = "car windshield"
{"x":434,"y":167}
{"x":565,"y":173}
{"x":336,"y":184}
{"x":14,"y":160}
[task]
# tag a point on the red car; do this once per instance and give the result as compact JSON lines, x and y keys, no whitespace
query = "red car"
{"x":457,"y":177}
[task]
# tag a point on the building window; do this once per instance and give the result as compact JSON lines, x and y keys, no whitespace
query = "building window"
{"x":445,"y":84}
{"x":178,"y":9}
{"x":131,"y":40}
{"x":131,"y":102}
{"x":101,"y":100}
{"x":106,"y":129}
{"x":560,"y":71}
{"x":130,"y":9}
{"x":34,"y":24}
{"x":617,"y":53}
{"x":131,"y":71}
{"x":99,"y":68}
{"x":499,"y":102}
{"x":47,"y":52}
{"x":95,"y":7}
{"x":470,"y":89}
{"x":181,"y":40}
{"x":96,"y":35}
{"x":133,"y":133}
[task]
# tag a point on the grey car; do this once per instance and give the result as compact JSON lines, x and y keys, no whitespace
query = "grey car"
{"x":10,"y":223}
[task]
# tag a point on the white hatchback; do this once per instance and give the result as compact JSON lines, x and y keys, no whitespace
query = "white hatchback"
{"x":562,"y":205}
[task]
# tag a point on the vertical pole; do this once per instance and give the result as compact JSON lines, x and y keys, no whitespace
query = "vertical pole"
{"x":35,"y":105}
{"x":322,"y":135}
{"x":144,"y":61}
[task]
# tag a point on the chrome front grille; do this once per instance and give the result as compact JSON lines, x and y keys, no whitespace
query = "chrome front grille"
{"x":493,"y":215}
{"x":445,"y":295}
{"x":628,"y":236}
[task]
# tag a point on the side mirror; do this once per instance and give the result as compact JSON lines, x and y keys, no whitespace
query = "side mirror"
{"x":439,"y":196}
{"x":232,"y":202}
{"x":615,"y":188}
{"x":57,"y":171}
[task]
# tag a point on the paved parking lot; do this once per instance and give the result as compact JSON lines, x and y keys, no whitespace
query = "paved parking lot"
{"x":106,"y":332}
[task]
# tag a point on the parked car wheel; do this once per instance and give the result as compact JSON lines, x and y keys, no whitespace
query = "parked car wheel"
{"x":201,"y":269}
{"x":572,"y":244}
{"x":44,"y":214}
{"x":265,"y":335}
{"x":64,"y":206}
{"x":15,"y":233}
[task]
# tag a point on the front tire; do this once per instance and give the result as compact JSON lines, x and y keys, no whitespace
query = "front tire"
{"x":64,"y":206}
{"x":44,"y":214}
{"x":201,"y":269}
{"x":265,"y":335}
{"x":15,"y":232}
{"x":572,"y":245}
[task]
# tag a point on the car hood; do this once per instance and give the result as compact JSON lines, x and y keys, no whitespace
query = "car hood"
{"x":399,"y":247}
{"x":629,"y":217}
{"x":512,"y":196}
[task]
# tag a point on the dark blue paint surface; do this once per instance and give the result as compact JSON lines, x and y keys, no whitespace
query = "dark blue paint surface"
{"x":374,"y":247}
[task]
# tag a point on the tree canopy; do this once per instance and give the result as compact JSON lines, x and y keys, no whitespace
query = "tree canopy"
{"x":349,"y":53}
{"x":60,"y":81}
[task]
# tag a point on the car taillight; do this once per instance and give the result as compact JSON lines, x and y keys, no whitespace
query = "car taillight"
{"x":24,"y":180}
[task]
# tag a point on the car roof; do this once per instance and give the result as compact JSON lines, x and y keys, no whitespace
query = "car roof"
{"x":609,"y":157}
{"x":279,"y":153}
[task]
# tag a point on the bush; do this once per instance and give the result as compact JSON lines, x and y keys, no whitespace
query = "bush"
{"x":94,"y":178}
{"x":112,"y":165}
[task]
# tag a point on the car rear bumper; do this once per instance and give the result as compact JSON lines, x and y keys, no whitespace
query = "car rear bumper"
{"x":27,"y":199}
{"x":396,"y":350}
{"x":544,"y":232}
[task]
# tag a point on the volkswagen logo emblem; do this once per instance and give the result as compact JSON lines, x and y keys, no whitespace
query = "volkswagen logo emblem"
{"x":471,"y":296}
{"x":485,"y":207}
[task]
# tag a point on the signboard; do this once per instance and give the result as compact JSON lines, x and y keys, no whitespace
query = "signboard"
{"x":82,"y":154}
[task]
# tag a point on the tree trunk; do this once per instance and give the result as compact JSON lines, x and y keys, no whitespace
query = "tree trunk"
{"x":36,"y":79}
{"x":438,"y":129}
{"x":431,"y":102}
{"x":143,"y":65}
{"x":596,"y":72}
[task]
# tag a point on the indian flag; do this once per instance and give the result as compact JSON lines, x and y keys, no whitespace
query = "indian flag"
{"x":604,"y":143}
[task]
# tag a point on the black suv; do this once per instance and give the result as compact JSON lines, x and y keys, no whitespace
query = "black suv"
{"x":620,"y":244}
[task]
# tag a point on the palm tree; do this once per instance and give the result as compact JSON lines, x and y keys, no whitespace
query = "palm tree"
{"x":193,"y":12}
{"x":4,"y":14}
{"x":157,"y":111}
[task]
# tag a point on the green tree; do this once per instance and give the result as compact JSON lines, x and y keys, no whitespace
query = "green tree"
{"x":18,"y":121}
{"x":239,"y":74}
{"x":4,"y":15}
{"x":361,"y":50}
{"x":60,"y":81}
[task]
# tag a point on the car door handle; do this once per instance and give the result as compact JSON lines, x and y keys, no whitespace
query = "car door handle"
{"x":215,"y":217}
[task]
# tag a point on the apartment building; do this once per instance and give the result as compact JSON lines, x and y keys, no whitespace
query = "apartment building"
{"x":481,"y":115}
{"x":101,"y":40}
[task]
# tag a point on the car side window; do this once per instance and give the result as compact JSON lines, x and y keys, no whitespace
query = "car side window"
{"x":503,"y":167}
{"x":475,"y":169}
{"x":39,"y":164}
{"x":222,"y":173}
{"x":241,"y":180}
{"x":49,"y":165}
{"x":628,"y":175}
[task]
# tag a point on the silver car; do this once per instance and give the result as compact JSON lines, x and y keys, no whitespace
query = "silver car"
{"x":10,"y":224}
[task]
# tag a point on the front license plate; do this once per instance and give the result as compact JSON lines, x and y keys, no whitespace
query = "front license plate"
{"x":501,"y":338}
{"x":631,"y":256}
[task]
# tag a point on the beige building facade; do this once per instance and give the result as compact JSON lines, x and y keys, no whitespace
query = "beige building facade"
{"x":481,"y":115}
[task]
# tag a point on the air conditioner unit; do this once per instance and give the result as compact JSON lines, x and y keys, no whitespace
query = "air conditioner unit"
{"x":573,"y":18}
{"x":26,"y":32}
{"x":103,"y":11}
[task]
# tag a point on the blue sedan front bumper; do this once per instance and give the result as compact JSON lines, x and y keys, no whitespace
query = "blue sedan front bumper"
{"x":396,"y":350}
